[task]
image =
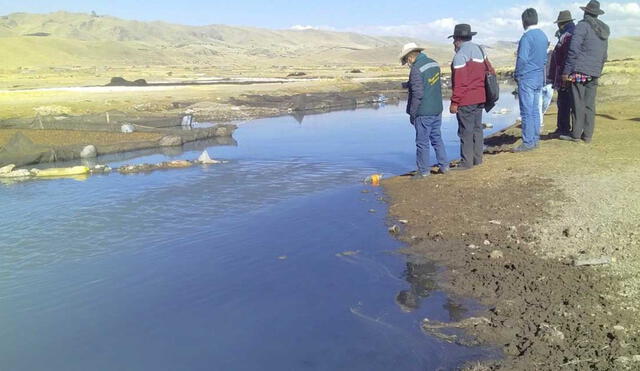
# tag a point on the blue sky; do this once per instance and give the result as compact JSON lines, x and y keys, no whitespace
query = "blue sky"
{"x":431,"y":20}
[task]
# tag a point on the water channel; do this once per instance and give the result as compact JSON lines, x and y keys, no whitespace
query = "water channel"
{"x":273,"y":261}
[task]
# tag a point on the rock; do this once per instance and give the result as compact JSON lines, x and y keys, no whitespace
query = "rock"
{"x":472,"y":246}
{"x":206,"y":160}
{"x":618,"y":328}
{"x":569,"y":232}
{"x":179,"y":164}
{"x":487,"y":125}
{"x":496,"y":222}
{"x":372,"y":211}
{"x":20,"y":173}
{"x":403,"y":221}
{"x":7,"y":169}
{"x":170,"y":141}
{"x":550,"y":334}
{"x":487,"y":242}
{"x":496,"y":254}
{"x":394,"y":229}
{"x":221,"y":132}
{"x":100,"y":169}
{"x":89,"y":152}
{"x":127,"y":128}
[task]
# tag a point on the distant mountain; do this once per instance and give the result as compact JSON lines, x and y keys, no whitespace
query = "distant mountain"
{"x":64,"y":38}
{"x":75,"y":39}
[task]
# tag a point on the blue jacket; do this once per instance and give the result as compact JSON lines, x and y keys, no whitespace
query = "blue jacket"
{"x":425,"y":88}
{"x":532,"y":55}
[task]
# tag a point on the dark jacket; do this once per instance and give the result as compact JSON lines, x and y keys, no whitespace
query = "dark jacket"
{"x":425,"y":89}
{"x":468,"y":75}
{"x":588,"y":50}
{"x":559,"y":56}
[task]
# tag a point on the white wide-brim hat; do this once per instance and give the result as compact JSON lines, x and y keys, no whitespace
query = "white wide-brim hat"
{"x":408,"y":48}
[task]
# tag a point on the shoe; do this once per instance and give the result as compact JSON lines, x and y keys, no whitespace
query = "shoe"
{"x":523,"y":148}
{"x":568,"y":138}
{"x":443,"y":169}
{"x":586,"y":140}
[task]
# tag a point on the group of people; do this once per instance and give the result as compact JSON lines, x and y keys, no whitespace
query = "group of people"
{"x":572,"y":69}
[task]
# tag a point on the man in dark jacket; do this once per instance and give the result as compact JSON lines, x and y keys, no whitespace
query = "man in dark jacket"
{"x":425,"y":108}
{"x":585,"y":61}
{"x":564,"y":34}
{"x":469,"y":95}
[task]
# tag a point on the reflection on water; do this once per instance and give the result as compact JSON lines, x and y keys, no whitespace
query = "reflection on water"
{"x":238,"y":266}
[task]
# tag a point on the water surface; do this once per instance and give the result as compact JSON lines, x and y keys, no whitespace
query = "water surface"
{"x":274,"y":261}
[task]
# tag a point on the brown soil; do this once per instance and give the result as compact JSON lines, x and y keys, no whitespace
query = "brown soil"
{"x":73,"y":137}
{"x":509,"y":231}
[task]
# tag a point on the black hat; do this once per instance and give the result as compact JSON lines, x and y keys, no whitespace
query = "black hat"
{"x":463,"y":30}
{"x":564,"y":16}
{"x":593,"y":8}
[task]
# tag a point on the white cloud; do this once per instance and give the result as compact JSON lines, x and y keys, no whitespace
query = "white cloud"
{"x":300,"y":27}
{"x":505,"y":24}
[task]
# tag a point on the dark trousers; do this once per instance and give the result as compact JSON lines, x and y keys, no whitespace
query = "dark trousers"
{"x":584,"y":109}
{"x":471,"y":135}
{"x":564,"y":111}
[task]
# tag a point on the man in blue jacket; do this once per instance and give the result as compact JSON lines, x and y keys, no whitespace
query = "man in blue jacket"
{"x":585,"y":61}
{"x":532,"y":57}
{"x":425,"y":108}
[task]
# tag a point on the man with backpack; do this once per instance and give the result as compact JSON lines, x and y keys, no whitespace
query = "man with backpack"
{"x":468,"y":72}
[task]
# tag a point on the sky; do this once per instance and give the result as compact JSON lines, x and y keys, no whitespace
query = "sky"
{"x":431,"y":20}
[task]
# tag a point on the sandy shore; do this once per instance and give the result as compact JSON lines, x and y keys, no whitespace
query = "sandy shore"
{"x":510,"y":231}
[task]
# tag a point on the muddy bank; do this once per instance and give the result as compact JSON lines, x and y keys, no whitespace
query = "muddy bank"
{"x":509,"y":233}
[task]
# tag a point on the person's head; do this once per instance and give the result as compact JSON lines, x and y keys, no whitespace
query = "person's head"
{"x":592,"y":9}
{"x":564,"y":18}
{"x":461,"y":33}
{"x":411,"y":57}
{"x":529,"y":18}
{"x":459,"y":40}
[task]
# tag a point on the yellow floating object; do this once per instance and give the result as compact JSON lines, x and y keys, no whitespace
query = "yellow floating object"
{"x":62,"y":172}
{"x":374,"y":179}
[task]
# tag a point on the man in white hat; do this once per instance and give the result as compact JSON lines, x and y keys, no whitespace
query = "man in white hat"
{"x":425,"y":107}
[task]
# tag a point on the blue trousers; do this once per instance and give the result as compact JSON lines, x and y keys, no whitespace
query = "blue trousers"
{"x":529,"y":92}
{"x":428,"y":132}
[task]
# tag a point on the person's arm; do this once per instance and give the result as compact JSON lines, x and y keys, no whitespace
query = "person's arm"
{"x":551,"y":75}
{"x":524,"y":55}
{"x":416,"y":85}
{"x":574,"y":49}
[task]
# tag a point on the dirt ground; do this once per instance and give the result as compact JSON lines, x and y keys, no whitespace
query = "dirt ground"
{"x":73,"y":137}
{"x":509,"y":232}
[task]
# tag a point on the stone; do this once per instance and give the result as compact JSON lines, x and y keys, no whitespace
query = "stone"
{"x":496,"y":254}
{"x":20,"y":173}
{"x":403,"y":221}
{"x":472,"y":246}
{"x":7,"y":169}
{"x":569,"y":232}
{"x":170,"y":141}
{"x":127,"y":128}
{"x":394,"y":229}
{"x":487,"y":242}
{"x":89,"y":152}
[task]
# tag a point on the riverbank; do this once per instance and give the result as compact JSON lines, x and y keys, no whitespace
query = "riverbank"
{"x":511,"y":230}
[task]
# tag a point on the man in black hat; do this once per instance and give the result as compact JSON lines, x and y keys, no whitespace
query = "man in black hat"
{"x":566,"y":27}
{"x":585,"y":61}
{"x":468,"y":96}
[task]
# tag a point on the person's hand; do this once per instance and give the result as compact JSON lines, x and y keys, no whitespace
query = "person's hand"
{"x":453,"y":108}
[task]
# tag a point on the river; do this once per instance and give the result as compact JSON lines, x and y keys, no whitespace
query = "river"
{"x":277,"y":260}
